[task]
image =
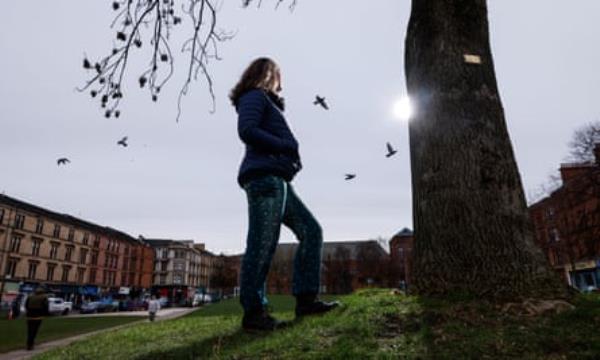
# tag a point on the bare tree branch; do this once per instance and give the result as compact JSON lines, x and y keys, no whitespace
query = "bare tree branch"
{"x":160,"y":17}
{"x":583,"y":142}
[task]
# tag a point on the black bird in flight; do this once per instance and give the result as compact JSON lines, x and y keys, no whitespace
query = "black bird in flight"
{"x":350,"y":176}
{"x":321,"y":101}
{"x":123,"y":142}
{"x":62,"y":161}
{"x":391,"y":150}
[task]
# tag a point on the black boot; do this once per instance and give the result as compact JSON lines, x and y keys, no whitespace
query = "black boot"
{"x":260,"y":320}
{"x":309,"y":304}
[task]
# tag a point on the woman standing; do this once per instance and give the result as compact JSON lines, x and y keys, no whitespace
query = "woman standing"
{"x":270,"y":163}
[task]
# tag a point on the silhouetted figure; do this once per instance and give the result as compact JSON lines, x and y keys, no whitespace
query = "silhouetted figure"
{"x":36,"y":306}
{"x":15,"y":307}
{"x":62,"y":161}
{"x":270,"y":164}
{"x":321,"y":101}
{"x":350,"y":176}
{"x":123,"y":142}
{"x":391,"y":150}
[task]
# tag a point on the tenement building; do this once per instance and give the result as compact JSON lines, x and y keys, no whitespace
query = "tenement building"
{"x":71,"y":257}
{"x":401,"y":250}
{"x":567,"y":224}
{"x":177,"y":269}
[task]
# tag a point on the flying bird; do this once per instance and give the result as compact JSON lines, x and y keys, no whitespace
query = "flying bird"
{"x":321,"y":102}
{"x":350,"y":176}
{"x":391,"y":150}
{"x":62,"y":161}
{"x":123,"y":142}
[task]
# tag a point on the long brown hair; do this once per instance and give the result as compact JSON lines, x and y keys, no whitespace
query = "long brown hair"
{"x":260,"y":74}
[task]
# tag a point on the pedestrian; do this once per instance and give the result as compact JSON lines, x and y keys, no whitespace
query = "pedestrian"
{"x":36,"y":307}
{"x":15,"y":307}
{"x":270,"y":163}
{"x":153,"y":307}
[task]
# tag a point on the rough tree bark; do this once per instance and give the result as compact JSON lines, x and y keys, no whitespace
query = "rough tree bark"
{"x":472,"y":231}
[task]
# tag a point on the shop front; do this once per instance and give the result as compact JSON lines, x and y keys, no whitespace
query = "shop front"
{"x":585,"y":275}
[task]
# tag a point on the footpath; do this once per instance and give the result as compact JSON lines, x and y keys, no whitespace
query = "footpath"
{"x":163,"y":314}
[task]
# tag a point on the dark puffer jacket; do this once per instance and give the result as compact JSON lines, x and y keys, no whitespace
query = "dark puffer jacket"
{"x":271,"y":148}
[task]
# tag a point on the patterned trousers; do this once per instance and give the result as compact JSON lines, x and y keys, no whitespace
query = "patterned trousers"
{"x":272,"y":202}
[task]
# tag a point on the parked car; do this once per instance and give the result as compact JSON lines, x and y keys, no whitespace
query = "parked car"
{"x":108,"y":305}
{"x":59,"y":306}
{"x":164,"y":302}
{"x":200,"y":299}
{"x":91,"y":307}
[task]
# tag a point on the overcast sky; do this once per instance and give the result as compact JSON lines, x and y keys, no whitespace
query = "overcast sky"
{"x":178,"y":180}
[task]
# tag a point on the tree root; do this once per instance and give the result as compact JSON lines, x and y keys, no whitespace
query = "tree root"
{"x":534,"y":307}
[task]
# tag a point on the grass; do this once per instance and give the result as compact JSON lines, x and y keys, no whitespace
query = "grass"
{"x":14,"y":332}
{"x":278,"y":303}
{"x":372,"y":324}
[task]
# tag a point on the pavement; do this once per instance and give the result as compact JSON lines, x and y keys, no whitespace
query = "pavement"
{"x":163,"y":314}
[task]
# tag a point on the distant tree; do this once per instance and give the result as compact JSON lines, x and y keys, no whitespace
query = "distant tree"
{"x":281,"y":272}
{"x":583,"y":142}
{"x":338,"y":271}
{"x":581,"y":150}
{"x":224,"y":277}
{"x":372,"y":265}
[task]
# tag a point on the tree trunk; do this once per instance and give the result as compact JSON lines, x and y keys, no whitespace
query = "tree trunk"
{"x":472,"y":230}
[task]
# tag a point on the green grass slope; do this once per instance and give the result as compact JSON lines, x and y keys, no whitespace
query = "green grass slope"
{"x":372,"y":324}
{"x":13,"y":333}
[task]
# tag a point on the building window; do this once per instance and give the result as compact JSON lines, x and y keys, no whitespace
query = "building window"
{"x":1,"y":216}
{"x":179,"y":266}
{"x":85,"y":239}
{"x":163,"y":279}
{"x":177,"y":279}
{"x":179,"y":254}
{"x":92,"y":276}
{"x":163,"y":265}
{"x":94,"y":258}
{"x":15,"y":243}
{"x":39,"y":227}
{"x":550,"y":213}
{"x":35,"y":247}
{"x":50,"y":274}
{"x":68,"y":253}
{"x":71,"y":235}
{"x":11,"y":267}
{"x":97,"y":241}
{"x":19,"y":221}
{"x":32,"y":269}
{"x":83,"y":256}
{"x":165,"y":253}
{"x":80,"y":275}
{"x":553,"y":235}
{"x":123,"y":279}
{"x":65,"y":273}
{"x":54,"y":250}
{"x":56,"y":232}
